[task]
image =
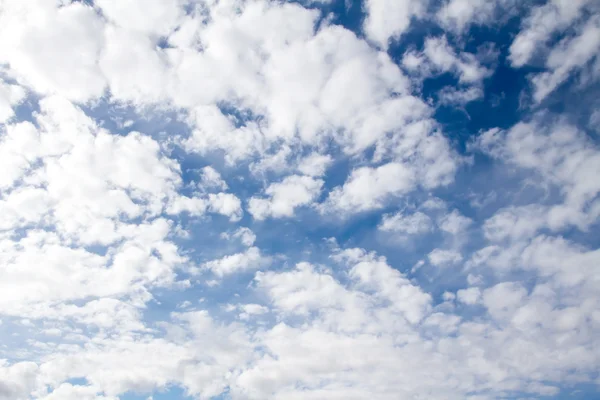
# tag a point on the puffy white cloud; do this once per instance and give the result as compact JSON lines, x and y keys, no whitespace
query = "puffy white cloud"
{"x":158,"y":18}
{"x":211,"y":178}
{"x":89,"y":223}
{"x":246,"y":236}
{"x":442,"y":258}
{"x":515,"y":223}
{"x":315,"y":164}
{"x":469,"y":296}
{"x":409,"y":224}
{"x":377,"y":317}
{"x":388,"y":19}
{"x":458,"y":15}
{"x":443,"y":58}
{"x":543,"y":21}
{"x":227,"y":204}
{"x":453,"y":96}
{"x":439,"y":56}
{"x":370,"y":188}
{"x":562,"y":156}
{"x":285,"y":196}
{"x":66,"y":40}
{"x":454,"y":223}
{"x":535,"y":43}
{"x":570,"y":54}
{"x":67,"y":391}
{"x":17,"y":380}
{"x":251,"y":258}
{"x":10,"y":96}
{"x":135,"y":69}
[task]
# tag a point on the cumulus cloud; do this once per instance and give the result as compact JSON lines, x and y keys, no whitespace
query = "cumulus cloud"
{"x":562,"y":156}
{"x":251,"y":258}
{"x":440,"y":257}
{"x":458,"y":15}
{"x":572,"y":53}
{"x":543,"y":21}
{"x":410,"y":224}
{"x":455,"y":223}
{"x":369,"y":188}
{"x":285,"y":196}
{"x":390,"y":19}
{"x":10,"y":96}
{"x":469,"y":296}
{"x":67,"y":40}
{"x":315,"y":164}
{"x":130,"y":265}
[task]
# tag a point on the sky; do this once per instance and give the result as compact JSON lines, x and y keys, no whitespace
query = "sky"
{"x":316,"y":200}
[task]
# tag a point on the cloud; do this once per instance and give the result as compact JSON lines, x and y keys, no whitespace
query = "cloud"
{"x":159,"y":18}
{"x":315,"y":164}
{"x":558,"y":153}
{"x":129,"y":266}
{"x":389,"y":19}
{"x":211,"y":178}
{"x":251,"y":258}
{"x":455,"y":223}
{"x":369,"y":188}
{"x":469,"y":296}
{"x":285,"y":196}
{"x":226,"y":204}
{"x":442,"y":258}
{"x":457,"y":14}
{"x":543,"y":21}
{"x":411,"y":224}
{"x":443,"y":58}
{"x":246,"y":236}
{"x":569,"y":55}
{"x":10,"y":96}
{"x":535,"y":43}
{"x":67,"y":40}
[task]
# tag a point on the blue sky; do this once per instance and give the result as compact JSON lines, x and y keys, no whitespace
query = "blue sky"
{"x":249,"y":199}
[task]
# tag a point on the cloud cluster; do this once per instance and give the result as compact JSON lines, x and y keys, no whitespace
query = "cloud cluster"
{"x":247,"y":199}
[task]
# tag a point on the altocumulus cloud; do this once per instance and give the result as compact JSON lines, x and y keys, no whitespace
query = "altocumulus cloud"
{"x":254,"y":199}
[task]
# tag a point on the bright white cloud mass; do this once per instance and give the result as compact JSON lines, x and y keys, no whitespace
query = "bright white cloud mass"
{"x":258,"y":199}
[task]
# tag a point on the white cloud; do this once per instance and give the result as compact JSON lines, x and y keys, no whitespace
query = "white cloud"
{"x":458,"y":15}
{"x":246,"y":236}
{"x":459,"y":96}
{"x":67,"y":391}
{"x":444,"y":258}
{"x":225,"y":204}
{"x":250,"y":311}
{"x":515,"y":223}
{"x":315,"y":164}
{"x":133,"y":66}
{"x":212,"y":131}
{"x":469,"y":296}
{"x":543,"y":21}
{"x":410,"y":224}
{"x":370,"y":188}
{"x":251,"y":258}
{"x":90,"y":232}
{"x":559,"y":154}
{"x":535,"y":43}
{"x":285,"y":196}
{"x":570,"y":54}
{"x":158,"y":18}
{"x":10,"y":96}
{"x":388,"y":19}
{"x":444,"y":59}
{"x":454,"y":223}
{"x":65,"y":40}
